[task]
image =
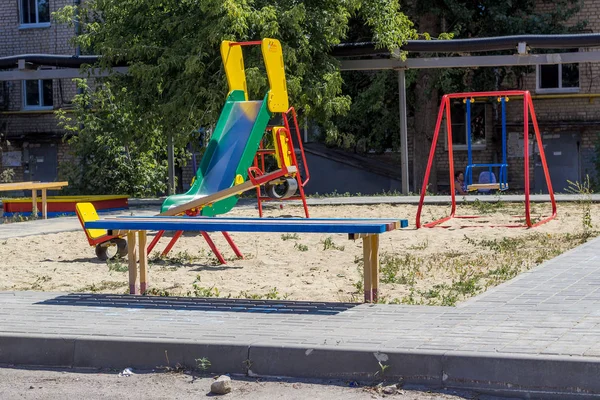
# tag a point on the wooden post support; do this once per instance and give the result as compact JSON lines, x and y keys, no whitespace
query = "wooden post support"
{"x":367,"y":276}
{"x":131,"y":255}
{"x":371,"y":267}
{"x":34,"y":209}
{"x":44,"y":204}
{"x":374,"y":267}
{"x":143,"y":261}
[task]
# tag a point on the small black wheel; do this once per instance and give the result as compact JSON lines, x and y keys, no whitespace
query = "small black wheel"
{"x":114,"y":248}
{"x":282,"y":190}
{"x":102,"y":251}
{"x":121,"y":247}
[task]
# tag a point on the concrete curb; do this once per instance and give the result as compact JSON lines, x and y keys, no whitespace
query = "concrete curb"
{"x":563,"y":377}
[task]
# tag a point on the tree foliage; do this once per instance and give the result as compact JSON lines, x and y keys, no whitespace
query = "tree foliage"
{"x":172,"y":50}
{"x":115,"y":150}
{"x":489,"y":18}
{"x":372,"y":122}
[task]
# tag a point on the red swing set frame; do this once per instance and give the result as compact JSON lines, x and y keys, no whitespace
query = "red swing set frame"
{"x":527,"y":111}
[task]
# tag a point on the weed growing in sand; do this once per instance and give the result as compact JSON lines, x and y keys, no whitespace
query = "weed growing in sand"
{"x":117,"y":266}
{"x":329,"y":244}
{"x":584,"y":191}
{"x":290,"y":236}
{"x":203,"y":364}
{"x":272,"y":294}
{"x":400,"y":270}
{"x":178,"y":259}
{"x":382,"y":369}
{"x":301,"y":247}
{"x":484,"y":207}
{"x":503,"y":245}
{"x":104,"y":285}
{"x":200,"y":291}
{"x":420,"y":246}
{"x":17,"y":218}
{"x":157,"y":292}
{"x":37,"y":285}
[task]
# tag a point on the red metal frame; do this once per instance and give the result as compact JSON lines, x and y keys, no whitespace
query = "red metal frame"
{"x":251,"y":43}
{"x":527,"y":110}
{"x":284,"y":171}
{"x":206,"y":237}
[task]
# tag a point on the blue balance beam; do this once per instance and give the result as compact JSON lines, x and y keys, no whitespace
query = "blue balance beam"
{"x":367,"y":229}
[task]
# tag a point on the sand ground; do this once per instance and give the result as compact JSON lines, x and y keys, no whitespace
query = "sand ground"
{"x":425,"y":266}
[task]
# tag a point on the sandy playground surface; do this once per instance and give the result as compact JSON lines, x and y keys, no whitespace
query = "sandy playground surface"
{"x":425,"y":266}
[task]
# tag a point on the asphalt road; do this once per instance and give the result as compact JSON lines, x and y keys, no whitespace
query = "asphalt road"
{"x":55,"y":384}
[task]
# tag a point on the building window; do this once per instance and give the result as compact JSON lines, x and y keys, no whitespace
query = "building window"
{"x":35,"y":13}
{"x":459,"y":127}
{"x":558,"y":78}
{"x":37,"y":94}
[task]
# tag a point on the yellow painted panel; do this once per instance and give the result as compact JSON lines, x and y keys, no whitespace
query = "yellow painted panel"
{"x":87,"y":212}
{"x":273,"y":56}
{"x":233,"y":61}
{"x":279,"y":134}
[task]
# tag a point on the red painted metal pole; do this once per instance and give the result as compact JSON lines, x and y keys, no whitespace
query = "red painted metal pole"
{"x":235,"y":249}
{"x":526,"y":160}
{"x":172,"y":243}
{"x":487,"y":94}
{"x":212,"y":246}
{"x":154,"y":241}
{"x":303,"y":197}
{"x":451,"y":156}
{"x":538,"y":137}
{"x":296,"y":126}
{"x":430,"y":160}
{"x":251,"y":43}
{"x":259,"y":201}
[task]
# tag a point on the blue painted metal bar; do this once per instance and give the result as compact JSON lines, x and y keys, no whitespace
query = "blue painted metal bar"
{"x":403,"y":222}
{"x":469,"y":171}
{"x":251,"y":225}
{"x":487,"y":165}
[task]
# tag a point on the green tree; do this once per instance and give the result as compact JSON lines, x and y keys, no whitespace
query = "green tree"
{"x":172,"y":50}
{"x":115,"y":151}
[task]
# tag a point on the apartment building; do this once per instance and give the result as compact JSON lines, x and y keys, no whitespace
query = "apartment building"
{"x":30,"y":138}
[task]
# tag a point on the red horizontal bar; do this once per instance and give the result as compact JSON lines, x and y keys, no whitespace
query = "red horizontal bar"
{"x":487,"y":94}
{"x":254,"y":43}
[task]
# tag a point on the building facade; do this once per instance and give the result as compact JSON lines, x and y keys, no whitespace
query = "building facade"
{"x":31,"y":141}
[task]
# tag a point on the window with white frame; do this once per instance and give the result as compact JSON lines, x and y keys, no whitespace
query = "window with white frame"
{"x":35,"y":13}
{"x":458,"y":112}
{"x":37,"y":94}
{"x":557,"y":78}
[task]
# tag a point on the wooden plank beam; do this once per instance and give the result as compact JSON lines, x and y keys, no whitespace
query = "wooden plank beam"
{"x":5,"y":187}
{"x":143,"y":247}
{"x":44,"y":204}
{"x":223,"y":194}
{"x":132,"y":258}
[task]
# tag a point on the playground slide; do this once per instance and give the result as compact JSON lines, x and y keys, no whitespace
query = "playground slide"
{"x":230,"y":152}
